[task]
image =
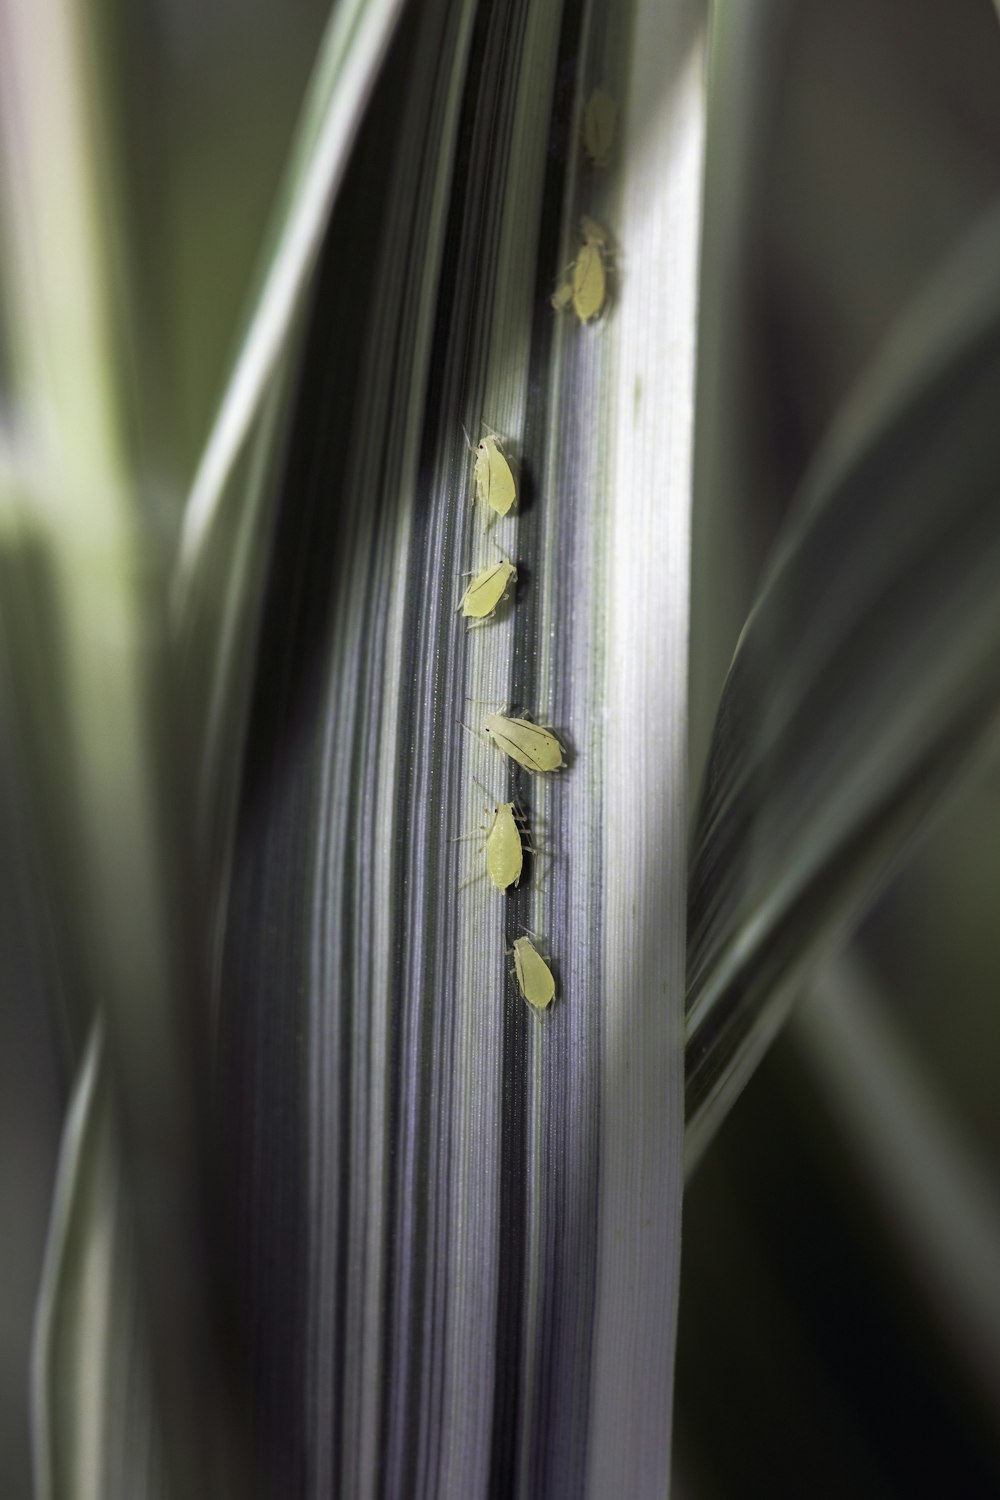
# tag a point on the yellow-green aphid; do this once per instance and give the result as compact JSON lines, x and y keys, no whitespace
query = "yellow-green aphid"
{"x":504,"y":853}
{"x":494,"y":480}
{"x":599,"y":127}
{"x":480,"y":600}
{"x":586,"y":288}
{"x":533,"y":974}
{"x":533,"y":747}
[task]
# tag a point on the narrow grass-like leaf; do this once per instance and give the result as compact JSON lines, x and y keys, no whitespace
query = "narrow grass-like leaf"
{"x":462,"y":1220}
{"x":357,"y":35}
{"x":92,"y":1398}
{"x":864,"y":681}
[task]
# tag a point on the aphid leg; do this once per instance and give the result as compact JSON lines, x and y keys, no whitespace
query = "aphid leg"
{"x":470,"y":880}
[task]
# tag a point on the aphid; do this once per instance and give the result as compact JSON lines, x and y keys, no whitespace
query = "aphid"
{"x":494,"y":481}
{"x":586,"y":286}
{"x":533,"y":974}
{"x":480,"y":600}
{"x":599,"y":127}
{"x":529,"y":744}
{"x":504,"y":852}
{"x":504,"y":845}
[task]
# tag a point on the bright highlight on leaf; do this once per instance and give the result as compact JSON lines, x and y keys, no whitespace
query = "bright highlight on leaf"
{"x":534,"y":977}
{"x":486,"y":590}
{"x":599,"y":127}
{"x":533,"y":747}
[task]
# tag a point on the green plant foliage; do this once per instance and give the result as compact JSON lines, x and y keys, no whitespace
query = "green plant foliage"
{"x":857,"y":694}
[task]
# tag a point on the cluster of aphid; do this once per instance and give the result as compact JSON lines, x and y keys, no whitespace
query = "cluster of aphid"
{"x":533,"y":745}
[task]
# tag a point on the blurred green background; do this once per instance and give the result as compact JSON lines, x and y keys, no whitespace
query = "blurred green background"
{"x":816,"y":1355}
{"x":202,"y":102}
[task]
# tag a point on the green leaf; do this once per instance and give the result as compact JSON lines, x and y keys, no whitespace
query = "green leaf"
{"x":357,"y":36}
{"x":462,"y":1221}
{"x":98,"y":742}
{"x":934,"y":1191}
{"x":95,"y":1424}
{"x":865,"y":680}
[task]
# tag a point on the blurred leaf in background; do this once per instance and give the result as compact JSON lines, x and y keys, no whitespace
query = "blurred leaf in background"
{"x":839,"y":1294}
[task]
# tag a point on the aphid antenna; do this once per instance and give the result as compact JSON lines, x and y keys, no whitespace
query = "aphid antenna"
{"x":468,"y":441}
{"x":531,"y":933}
{"x":503,"y":557}
{"x":493,"y":801}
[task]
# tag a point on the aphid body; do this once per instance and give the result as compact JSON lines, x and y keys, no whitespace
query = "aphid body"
{"x":504,"y":854}
{"x":599,"y":127}
{"x":484,"y":593}
{"x":586,"y":288}
{"x":494,"y":480}
{"x":534,"y":976}
{"x":533,"y":747}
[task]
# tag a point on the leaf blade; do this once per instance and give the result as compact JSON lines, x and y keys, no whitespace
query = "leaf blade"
{"x":798,"y":823}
